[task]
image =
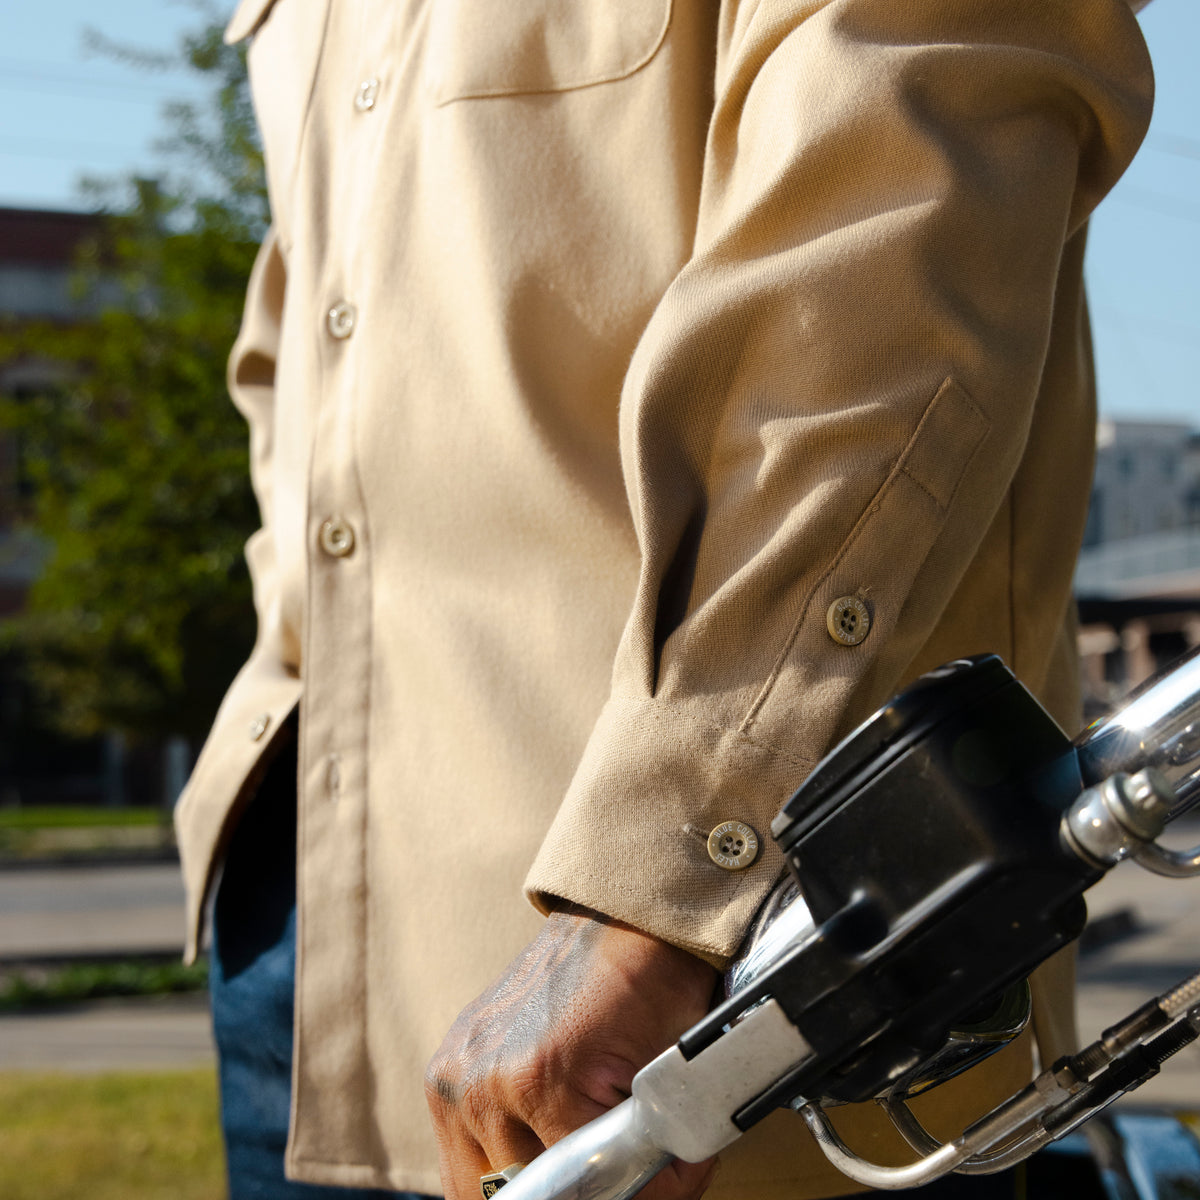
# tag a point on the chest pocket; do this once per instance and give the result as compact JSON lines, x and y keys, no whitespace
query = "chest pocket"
{"x":520,"y":47}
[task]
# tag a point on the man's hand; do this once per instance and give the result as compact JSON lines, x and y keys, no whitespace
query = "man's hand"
{"x":557,"y":1041}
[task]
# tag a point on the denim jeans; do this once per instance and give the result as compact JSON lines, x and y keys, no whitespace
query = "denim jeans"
{"x":252,"y":981}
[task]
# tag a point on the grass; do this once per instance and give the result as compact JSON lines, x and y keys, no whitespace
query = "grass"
{"x":29,"y":987}
{"x":76,"y":817}
{"x":118,"y":1136}
{"x":79,"y":832}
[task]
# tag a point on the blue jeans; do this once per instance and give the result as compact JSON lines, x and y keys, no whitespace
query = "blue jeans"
{"x":252,"y":982}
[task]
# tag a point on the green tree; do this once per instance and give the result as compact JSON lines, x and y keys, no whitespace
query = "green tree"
{"x":137,"y":463}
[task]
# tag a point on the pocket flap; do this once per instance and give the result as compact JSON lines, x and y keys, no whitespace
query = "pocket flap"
{"x":528,"y":46}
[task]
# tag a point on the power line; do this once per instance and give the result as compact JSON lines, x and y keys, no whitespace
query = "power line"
{"x":50,"y":75}
{"x":85,"y":89}
{"x":1175,"y":144}
{"x":1159,"y":202}
{"x":13,"y":147}
{"x":1180,"y":332}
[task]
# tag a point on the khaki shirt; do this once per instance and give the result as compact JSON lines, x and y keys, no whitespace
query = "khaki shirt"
{"x":598,"y":348}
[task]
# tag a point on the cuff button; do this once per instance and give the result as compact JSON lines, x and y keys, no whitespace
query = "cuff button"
{"x":733,"y":846}
{"x":848,"y":620}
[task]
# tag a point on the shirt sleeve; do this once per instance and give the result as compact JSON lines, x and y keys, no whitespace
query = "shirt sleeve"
{"x":830,"y":401}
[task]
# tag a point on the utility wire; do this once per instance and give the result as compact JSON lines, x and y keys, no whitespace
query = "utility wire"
{"x":47,"y":76}
{"x":145,"y":99}
{"x":1159,"y":202}
{"x":1175,"y":144}
{"x":1180,"y":332}
{"x":29,"y":147}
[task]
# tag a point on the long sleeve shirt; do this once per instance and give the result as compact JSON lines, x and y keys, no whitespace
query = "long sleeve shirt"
{"x":600,"y":356}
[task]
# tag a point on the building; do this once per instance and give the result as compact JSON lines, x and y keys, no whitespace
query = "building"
{"x":1143,"y":483}
{"x":1138,"y":577}
{"x":39,"y":253}
{"x":39,"y":256}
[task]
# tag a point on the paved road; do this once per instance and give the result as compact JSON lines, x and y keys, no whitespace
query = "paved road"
{"x":1166,"y":950}
{"x":105,"y":910}
{"x":90,"y":910}
{"x":130,"y":1035}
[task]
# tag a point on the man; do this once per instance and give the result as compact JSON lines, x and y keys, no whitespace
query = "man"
{"x":640,"y":392}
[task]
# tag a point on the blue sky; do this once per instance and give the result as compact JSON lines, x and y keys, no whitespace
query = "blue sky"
{"x":65,"y":113}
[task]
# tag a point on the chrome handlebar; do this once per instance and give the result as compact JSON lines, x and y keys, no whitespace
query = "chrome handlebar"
{"x":1142,"y":768}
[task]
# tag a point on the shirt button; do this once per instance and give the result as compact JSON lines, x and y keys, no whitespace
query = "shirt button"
{"x":368,"y":92}
{"x":340,"y":319}
{"x":259,"y":726}
{"x":337,"y":537}
{"x":848,"y":620}
{"x":733,"y":846}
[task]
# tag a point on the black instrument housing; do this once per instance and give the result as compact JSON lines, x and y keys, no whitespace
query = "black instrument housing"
{"x":927,"y":847}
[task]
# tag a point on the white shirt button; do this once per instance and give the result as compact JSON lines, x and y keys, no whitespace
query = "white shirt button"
{"x":340,"y":320}
{"x":367,"y":94}
{"x":848,"y":620}
{"x":733,"y":845}
{"x":259,"y":726}
{"x":337,"y":537}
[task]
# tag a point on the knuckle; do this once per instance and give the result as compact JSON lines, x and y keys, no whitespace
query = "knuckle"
{"x":482,"y":1093}
{"x":532,"y":1074}
{"x":442,"y":1089}
{"x":481,"y":1073}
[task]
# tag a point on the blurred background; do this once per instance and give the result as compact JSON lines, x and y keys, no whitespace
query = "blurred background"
{"x":131,"y":203}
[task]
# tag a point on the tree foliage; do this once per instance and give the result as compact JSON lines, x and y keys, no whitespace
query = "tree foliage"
{"x":136,"y":463}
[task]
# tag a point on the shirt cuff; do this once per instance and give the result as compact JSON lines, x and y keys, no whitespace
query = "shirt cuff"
{"x":631,"y":837}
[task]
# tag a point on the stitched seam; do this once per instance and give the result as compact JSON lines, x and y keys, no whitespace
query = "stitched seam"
{"x":715,"y":727}
{"x":909,"y":475}
{"x":847,"y":545}
{"x":611,"y":77}
{"x":794,"y":633}
{"x":986,"y":424}
{"x":358,"y":1169}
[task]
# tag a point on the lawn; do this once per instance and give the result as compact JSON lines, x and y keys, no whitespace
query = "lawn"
{"x":38,"y":986}
{"x":76,"y":817}
{"x":118,"y":1136}
{"x":82,"y":832}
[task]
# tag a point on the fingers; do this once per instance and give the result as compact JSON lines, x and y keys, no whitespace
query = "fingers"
{"x":476,"y":1135}
{"x":681,"y":1181}
{"x":555,"y":1042}
{"x":463,"y":1161}
{"x":508,"y":1144}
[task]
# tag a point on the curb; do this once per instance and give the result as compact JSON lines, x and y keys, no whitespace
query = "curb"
{"x":149,"y":956}
{"x":59,"y":862}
